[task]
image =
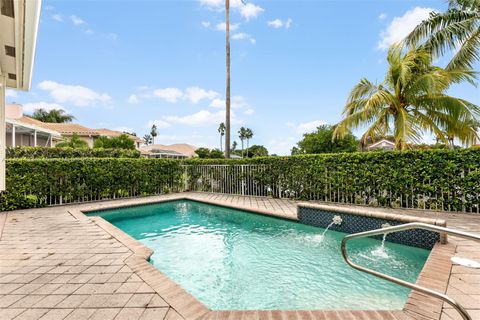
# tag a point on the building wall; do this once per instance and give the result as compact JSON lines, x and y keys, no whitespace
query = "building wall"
{"x":26,"y":140}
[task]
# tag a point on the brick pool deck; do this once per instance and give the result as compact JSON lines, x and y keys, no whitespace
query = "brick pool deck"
{"x":57,"y":264}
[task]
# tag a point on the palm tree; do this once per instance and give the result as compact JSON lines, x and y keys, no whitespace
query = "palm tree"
{"x":153,"y":133}
{"x":147,"y":139}
{"x":221,"y":130}
{"x":227,"y":87}
{"x":227,"y":93}
{"x":410,"y":101}
{"x":242,"y":135}
{"x":456,"y":29}
{"x":73,"y":142}
{"x":52,"y":116}
{"x":248,"y":136}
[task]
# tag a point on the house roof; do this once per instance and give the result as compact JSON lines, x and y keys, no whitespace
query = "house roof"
{"x":115,"y":133}
{"x":182,"y":148}
{"x":32,"y":124}
{"x":166,"y":152}
{"x":70,"y":129}
{"x":383,"y":141}
{"x":19,"y":24}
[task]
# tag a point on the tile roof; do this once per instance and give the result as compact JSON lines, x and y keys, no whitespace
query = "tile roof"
{"x":70,"y":128}
{"x":182,"y":148}
{"x":115,"y":133}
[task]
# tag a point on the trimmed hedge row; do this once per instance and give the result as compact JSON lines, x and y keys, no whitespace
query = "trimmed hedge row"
{"x":47,"y":152}
{"x":429,"y":179}
{"x":41,"y":182}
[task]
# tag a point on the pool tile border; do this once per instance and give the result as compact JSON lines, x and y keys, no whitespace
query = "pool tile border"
{"x":435,"y":273}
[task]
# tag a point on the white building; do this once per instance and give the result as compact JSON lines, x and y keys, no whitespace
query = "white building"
{"x":383,"y":144}
{"x":18,"y":34}
{"x":23,"y":131}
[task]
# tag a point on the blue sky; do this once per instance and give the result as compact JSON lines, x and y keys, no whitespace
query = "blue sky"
{"x":127,"y":64}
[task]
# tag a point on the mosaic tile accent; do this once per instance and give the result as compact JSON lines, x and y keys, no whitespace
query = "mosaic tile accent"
{"x":355,"y":223}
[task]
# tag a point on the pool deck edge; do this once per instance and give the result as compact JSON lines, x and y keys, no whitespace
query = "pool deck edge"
{"x":435,"y":273}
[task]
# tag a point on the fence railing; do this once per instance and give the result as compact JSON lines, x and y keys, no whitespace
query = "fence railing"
{"x":257,"y":180}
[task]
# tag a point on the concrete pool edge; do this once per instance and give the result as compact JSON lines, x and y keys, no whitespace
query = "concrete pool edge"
{"x":435,"y":274}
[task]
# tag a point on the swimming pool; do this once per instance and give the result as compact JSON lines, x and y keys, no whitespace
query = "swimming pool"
{"x":233,"y":260}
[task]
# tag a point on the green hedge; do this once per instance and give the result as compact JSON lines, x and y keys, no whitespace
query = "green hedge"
{"x":41,"y":182}
{"x":430,"y":179}
{"x":47,"y":152}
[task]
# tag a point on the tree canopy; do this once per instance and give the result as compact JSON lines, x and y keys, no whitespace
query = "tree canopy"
{"x":123,"y":141}
{"x":257,"y":151}
{"x":52,"y":116}
{"x":410,"y":102}
{"x":206,"y":153}
{"x":321,"y":141}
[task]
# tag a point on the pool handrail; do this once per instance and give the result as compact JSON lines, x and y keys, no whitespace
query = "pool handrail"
{"x":402,"y":227}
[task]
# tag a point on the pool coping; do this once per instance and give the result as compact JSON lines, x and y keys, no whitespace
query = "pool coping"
{"x":434,"y":275}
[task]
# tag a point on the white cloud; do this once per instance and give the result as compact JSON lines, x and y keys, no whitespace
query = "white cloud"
{"x":306,"y":127}
{"x":249,"y":112}
{"x":31,"y":107}
{"x":212,"y":3}
{"x":244,"y":36}
{"x":278,"y":23}
{"x":159,"y":123}
{"x":77,"y":95}
{"x":76,"y":20}
{"x":133,"y":99}
{"x":206,"y":24}
{"x":196,"y":94}
{"x":400,"y":27}
{"x":247,"y":10}
{"x":124,"y":129}
{"x":237,"y":102}
{"x":57,"y":17}
{"x":11,"y":93}
{"x":169,"y":94}
{"x":222,"y":26}
{"x":201,"y":118}
{"x":382,"y":16}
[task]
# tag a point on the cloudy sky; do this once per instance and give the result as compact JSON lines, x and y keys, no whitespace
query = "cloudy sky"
{"x":128,"y":64}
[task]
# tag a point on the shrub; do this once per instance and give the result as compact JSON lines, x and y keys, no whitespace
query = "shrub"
{"x":40,"y":182}
{"x":123,"y":141}
{"x":46,"y":152}
{"x":426,"y":179}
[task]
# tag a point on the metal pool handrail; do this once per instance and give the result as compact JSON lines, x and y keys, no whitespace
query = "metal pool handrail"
{"x":403,"y":227}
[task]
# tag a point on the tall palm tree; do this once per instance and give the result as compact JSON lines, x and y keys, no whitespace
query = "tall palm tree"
{"x":221,"y":130}
{"x":242,"y":135}
{"x":52,"y":116}
{"x":227,"y":88}
{"x":153,"y":133}
{"x":227,"y":93}
{"x":248,"y":136}
{"x":458,"y":28}
{"x":410,"y":101}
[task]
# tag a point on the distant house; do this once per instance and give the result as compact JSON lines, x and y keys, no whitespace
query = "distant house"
{"x":383,"y":144}
{"x":23,"y":131}
{"x":67,"y":130}
{"x":113,"y":133}
{"x":175,"y":151}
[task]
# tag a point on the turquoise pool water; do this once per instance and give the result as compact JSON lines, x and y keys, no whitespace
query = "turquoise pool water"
{"x":230,"y":259}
